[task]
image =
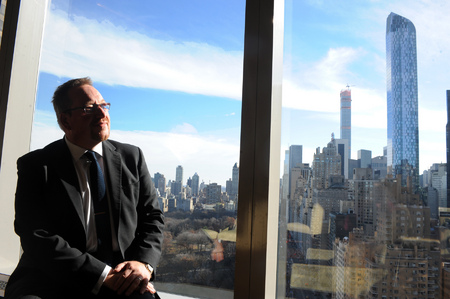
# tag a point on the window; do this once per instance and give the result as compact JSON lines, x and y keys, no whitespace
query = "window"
{"x":33,"y":17}
{"x":175,"y":91}
{"x":342,"y":92}
{"x":329,"y":50}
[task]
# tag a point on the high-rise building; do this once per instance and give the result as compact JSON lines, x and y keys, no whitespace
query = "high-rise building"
{"x":195,"y":184}
{"x":361,"y":191}
{"x":379,"y":166}
{"x":402,"y":99}
{"x":235,"y":180}
{"x":352,"y":164}
{"x":161,"y":184}
{"x":325,"y":164}
{"x":299,"y":177}
{"x":438,"y":180}
{"x":448,"y":146}
{"x":179,"y":174}
{"x":295,"y":155}
{"x":156,"y":179}
{"x":342,"y":149}
{"x":213,"y":193}
{"x":176,"y":188}
{"x":364,"y":158}
{"x":189,"y":182}
{"x":295,"y":159}
{"x":346,"y":118}
{"x":228,"y":186}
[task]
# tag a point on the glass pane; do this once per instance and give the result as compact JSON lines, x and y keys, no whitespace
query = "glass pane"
{"x":172,"y":71}
{"x":364,"y":92}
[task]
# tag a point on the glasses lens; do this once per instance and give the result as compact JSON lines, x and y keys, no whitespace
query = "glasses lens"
{"x":91,"y":110}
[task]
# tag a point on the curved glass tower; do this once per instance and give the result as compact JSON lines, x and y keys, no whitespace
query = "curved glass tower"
{"x":402,"y":99}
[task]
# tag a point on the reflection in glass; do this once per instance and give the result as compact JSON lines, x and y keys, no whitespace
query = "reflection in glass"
{"x":358,"y":218}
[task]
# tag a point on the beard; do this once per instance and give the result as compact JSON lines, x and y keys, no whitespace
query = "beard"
{"x":101,"y":136}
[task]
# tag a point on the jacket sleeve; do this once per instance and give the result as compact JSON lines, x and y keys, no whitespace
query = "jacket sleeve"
{"x":148,"y":236}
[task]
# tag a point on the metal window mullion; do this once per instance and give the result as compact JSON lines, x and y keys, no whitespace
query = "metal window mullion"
{"x":259,"y":159}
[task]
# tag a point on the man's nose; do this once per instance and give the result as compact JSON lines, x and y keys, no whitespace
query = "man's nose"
{"x":100,"y":111}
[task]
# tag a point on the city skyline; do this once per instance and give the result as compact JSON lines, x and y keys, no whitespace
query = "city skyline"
{"x":175,"y":91}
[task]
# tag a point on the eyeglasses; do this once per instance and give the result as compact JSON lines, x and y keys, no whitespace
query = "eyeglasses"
{"x":91,"y":109}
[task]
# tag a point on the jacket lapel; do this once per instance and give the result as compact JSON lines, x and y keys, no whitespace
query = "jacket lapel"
{"x":63,"y":165}
{"x":113,"y":168}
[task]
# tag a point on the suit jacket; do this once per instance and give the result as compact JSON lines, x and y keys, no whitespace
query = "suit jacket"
{"x":50,"y":221}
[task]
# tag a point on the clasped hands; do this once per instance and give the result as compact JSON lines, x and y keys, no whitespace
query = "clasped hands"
{"x":128,"y":277}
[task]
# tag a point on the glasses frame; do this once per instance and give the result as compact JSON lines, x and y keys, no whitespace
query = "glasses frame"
{"x":91,"y":109}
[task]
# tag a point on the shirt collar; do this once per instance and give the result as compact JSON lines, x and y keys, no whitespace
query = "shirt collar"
{"x":78,"y":151}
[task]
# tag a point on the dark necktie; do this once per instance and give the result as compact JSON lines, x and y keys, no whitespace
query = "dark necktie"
{"x":101,"y":210}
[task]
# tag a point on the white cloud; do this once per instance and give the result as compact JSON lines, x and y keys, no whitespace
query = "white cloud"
{"x":316,"y":88}
{"x":77,"y":46}
{"x":432,"y":120}
{"x":184,"y":128}
{"x":211,"y":157}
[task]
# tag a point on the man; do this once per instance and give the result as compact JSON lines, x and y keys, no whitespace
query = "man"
{"x":87,"y":213}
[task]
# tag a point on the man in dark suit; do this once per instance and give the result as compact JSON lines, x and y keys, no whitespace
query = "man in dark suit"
{"x":79,"y":242}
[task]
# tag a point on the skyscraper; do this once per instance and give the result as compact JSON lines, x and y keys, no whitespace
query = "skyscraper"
{"x":235,"y":180}
{"x":295,"y":159}
{"x":448,"y":147}
{"x":402,"y":99}
{"x":346,"y":118}
{"x":295,"y":155}
{"x":179,"y":174}
{"x":342,"y":149}
{"x":365,"y":158}
{"x":195,"y":184}
{"x":156,"y":179}
{"x":177,"y":186}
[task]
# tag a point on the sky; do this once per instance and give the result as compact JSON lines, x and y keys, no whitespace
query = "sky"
{"x":172,"y":71}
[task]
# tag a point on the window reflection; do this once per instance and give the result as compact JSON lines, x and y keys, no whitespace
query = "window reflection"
{"x":363,"y":218}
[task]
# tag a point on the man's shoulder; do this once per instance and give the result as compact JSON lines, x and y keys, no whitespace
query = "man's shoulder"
{"x":121,"y":147}
{"x":44,"y":153}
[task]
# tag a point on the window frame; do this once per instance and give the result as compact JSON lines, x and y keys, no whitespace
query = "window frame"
{"x":19,"y":64}
{"x":257,"y":230}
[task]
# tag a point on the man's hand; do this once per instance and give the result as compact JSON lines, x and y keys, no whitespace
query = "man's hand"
{"x":128,"y":277}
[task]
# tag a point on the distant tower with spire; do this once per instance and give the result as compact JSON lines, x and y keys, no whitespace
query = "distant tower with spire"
{"x":346,"y":117}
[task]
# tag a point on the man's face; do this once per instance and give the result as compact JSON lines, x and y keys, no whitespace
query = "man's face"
{"x":86,"y":130}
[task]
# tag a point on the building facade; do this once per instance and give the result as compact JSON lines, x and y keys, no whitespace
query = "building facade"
{"x":402,"y":99}
{"x":365,"y":158}
{"x":195,"y":184}
{"x":346,"y":118}
{"x":235,"y":180}
{"x":343,"y":150}
{"x":179,"y":174}
{"x":448,"y":144}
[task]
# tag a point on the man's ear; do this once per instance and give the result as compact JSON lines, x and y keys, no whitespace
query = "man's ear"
{"x":64,"y":122}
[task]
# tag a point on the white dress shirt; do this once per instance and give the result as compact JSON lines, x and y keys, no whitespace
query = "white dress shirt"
{"x":82,"y":163}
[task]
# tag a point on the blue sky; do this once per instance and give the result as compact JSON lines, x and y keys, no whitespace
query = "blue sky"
{"x":173,"y":73}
